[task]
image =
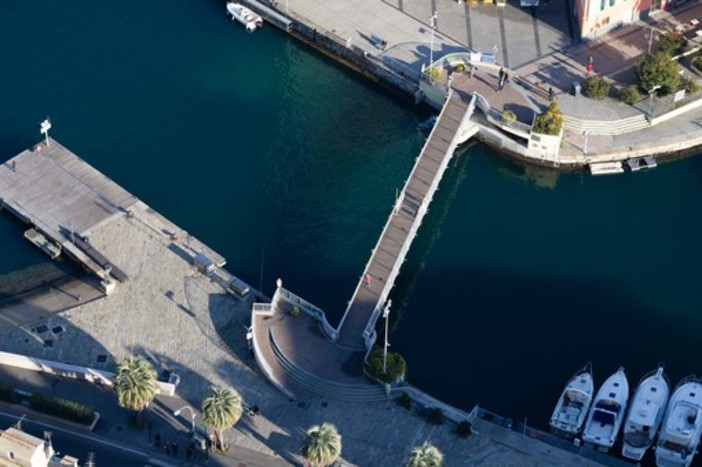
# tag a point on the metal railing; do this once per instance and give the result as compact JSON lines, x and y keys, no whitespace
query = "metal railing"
{"x":309,"y":309}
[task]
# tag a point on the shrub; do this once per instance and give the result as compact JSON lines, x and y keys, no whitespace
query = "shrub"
{"x":658,"y":70}
{"x":62,"y":408}
{"x":396,"y":367}
{"x":595,"y":87}
{"x":8,"y":394}
{"x":672,"y":43}
{"x":550,"y":122}
{"x":405,"y":400}
{"x":630,"y":95}
{"x":460,"y":68}
{"x":508,"y":116}
{"x":697,"y":62}
{"x":464,"y":429}
{"x":435,"y":416}
{"x":690,"y":85}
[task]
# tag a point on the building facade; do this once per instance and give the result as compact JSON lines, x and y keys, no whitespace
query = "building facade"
{"x":597,"y":17}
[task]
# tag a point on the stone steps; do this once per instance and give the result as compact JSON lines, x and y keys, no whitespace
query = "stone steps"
{"x":596,"y":127}
{"x":323,"y":387}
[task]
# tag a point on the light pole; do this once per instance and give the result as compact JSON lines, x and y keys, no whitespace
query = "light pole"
{"x":431,"y":42}
{"x":192,"y":416}
{"x":650,"y":101}
{"x":386,"y":314}
{"x":586,"y":134}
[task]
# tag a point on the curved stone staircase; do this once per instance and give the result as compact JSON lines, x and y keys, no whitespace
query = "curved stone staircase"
{"x":606,"y":128}
{"x":323,"y":387}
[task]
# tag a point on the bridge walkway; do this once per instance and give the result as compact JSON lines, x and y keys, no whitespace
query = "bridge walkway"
{"x":452,"y":128}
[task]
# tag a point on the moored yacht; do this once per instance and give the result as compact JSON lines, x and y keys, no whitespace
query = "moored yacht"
{"x":645,"y":414}
{"x":682,"y":425}
{"x":572,"y":406}
{"x":245,"y":16}
{"x":607,"y":413}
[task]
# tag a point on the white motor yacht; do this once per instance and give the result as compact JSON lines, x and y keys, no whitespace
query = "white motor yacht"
{"x":682,"y":425}
{"x":572,"y":406}
{"x":245,"y":16}
{"x":607,"y":413}
{"x":645,"y":414}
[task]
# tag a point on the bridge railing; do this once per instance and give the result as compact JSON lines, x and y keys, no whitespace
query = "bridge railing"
{"x":309,"y":309}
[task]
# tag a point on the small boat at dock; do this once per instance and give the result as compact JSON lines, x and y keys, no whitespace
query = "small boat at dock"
{"x":606,"y":168}
{"x":682,"y":426}
{"x":645,"y":414}
{"x":245,"y":16}
{"x":641,"y":163}
{"x":607,"y":413}
{"x":571,"y":409}
{"x":50,"y":248}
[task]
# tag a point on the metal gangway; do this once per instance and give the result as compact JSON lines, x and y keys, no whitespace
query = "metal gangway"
{"x":452,"y":127}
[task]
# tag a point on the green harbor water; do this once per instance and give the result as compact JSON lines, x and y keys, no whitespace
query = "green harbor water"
{"x":287,"y":164}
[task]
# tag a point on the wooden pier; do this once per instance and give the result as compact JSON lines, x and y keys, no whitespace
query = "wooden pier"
{"x":452,"y":128}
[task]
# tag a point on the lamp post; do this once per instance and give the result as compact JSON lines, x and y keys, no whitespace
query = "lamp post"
{"x":650,"y":101}
{"x":431,"y":43}
{"x":386,"y":314}
{"x":192,"y":416}
{"x":585,"y":134}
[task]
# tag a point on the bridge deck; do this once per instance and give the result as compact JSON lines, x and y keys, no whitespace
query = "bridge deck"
{"x":392,"y":247}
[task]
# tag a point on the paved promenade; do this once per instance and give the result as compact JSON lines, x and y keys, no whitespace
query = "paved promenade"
{"x":534,"y":44}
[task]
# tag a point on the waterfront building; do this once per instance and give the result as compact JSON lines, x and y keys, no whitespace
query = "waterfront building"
{"x":18,"y":448}
{"x":597,"y":17}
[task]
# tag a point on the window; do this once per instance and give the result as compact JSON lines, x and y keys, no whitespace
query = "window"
{"x":603,"y":3}
{"x":612,"y":2}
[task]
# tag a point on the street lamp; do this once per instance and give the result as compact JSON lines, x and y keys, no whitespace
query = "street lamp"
{"x":386,"y":314}
{"x":650,"y":101}
{"x":192,"y":416}
{"x":431,"y":43}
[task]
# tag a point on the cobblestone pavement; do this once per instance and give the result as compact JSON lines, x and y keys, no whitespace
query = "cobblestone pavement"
{"x":185,"y":323}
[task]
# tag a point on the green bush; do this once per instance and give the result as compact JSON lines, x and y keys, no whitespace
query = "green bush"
{"x":62,"y":408}
{"x":697,"y":61}
{"x":630,"y":95}
{"x":8,"y":394}
{"x":464,"y":429}
{"x":690,"y":85}
{"x":405,"y":400}
{"x":658,"y":70}
{"x":672,"y":43}
{"x":435,"y":416}
{"x":508,"y":116}
{"x":595,"y":87}
{"x":396,"y":367}
{"x":550,"y":122}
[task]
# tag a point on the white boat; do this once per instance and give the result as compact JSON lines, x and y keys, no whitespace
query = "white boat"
{"x":641,"y":163}
{"x":682,"y":425}
{"x":245,"y":16}
{"x":606,"y":168}
{"x":607,"y":413}
{"x":571,"y":409}
{"x":645,"y":414}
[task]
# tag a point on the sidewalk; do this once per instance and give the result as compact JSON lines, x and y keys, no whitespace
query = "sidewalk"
{"x":115,"y":426}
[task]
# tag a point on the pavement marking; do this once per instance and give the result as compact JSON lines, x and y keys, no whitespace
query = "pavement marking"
{"x":503,"y":37}
{"x":537,"y":40}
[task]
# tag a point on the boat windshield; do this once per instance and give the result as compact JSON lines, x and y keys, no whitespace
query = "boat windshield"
{"x":675,"y":447}
{"x":637,"y":439}
{"x":606,"y":418}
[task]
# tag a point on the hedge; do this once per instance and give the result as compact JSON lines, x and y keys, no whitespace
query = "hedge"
{"x":8,"y":394}
{"x":62,"y":408}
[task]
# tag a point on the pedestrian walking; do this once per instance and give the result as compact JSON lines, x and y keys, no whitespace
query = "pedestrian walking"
{"x":175,"y":448}
{"x":550,"y":94}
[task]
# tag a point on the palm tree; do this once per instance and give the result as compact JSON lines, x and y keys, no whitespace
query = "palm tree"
{"x":426,"y":455}
{"x":135,"y":384}
{"x":220,"y":410}
{"x":322,"y":445}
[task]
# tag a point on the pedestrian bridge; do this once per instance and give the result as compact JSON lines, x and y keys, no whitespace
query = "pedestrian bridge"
{"x":453,"y":127}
